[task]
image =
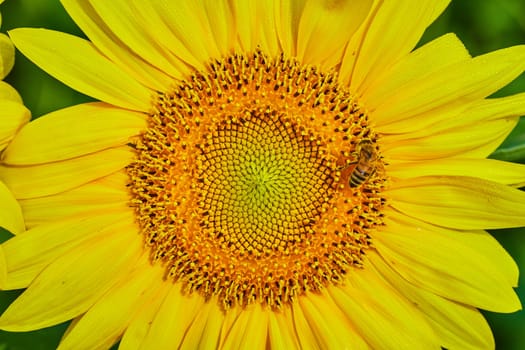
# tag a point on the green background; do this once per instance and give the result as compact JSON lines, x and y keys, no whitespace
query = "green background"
{"x":483,"y":25}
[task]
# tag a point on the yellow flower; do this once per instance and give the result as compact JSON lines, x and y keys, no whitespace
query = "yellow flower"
{"x":13,"y":115}
{"x":264,"y":174}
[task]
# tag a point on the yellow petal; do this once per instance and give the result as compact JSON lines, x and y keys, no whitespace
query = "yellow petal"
{"x":105,"y":195}
{"x":13,"y":115}
{"x":72,"y":325}
{"x":222,"y":24}
{"x":461,"y":266}
{"x":7,"y":55}
{"x":488,"y":169}
{"x":464,"y":203}
{"x":184,"y":33}
{"x":469,"y":141}
{"x":255,"y":24}
{"x":281,"y":332}
{"x":249,"y":329}
{"x":28,"y":254}
{"x":492,"y":144}
{"x":433,"y":56}
{"x":124,"y":20}
{"x":373,"y":49}
{"x":494,"y":108}
{"x":9,"y":93}
{"x":287,"y":17}
{"x":173,"y":320}
{"x":383,"y":317}
{"x":73,"y":132}
{"x":112,"y":46}
{"x":10,"y":213}
{"x":142,"y":320}
{"x":78,"y":64}
{"x":305,"y":334}
{"x":105,"y":321}
{"x":46,"y":179}
{"x":326,"y":27}
{"x":456,"y":325}
{"x":205,"y":329}
{"x":3,"y":268}
{"x":73,"y":283}
{"x":450,"y":119}
{"x":454,"y":85}
{"x":331,"y":327}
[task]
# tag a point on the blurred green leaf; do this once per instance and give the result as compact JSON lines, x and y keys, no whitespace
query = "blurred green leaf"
{"x":514,"y":154}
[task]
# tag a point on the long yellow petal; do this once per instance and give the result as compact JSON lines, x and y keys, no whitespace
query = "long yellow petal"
{"x":46,"y":179}
{"x":305,"y":334}
{"x":451,"y":86}
{"x":433,"y":56}
{"x":10,"y":213}
{"x":106,"y":321}
{"x":492,"y":144}
{"x":447,"y":120}
{"x":456,"y":325}
{"x":73,"y":283}
{"x":7,"y":55}
{"x":172,"y":320}
{"x":469,"y":141}
{"x":73,"y":132}
{"x":221,"y":23}
{"x":383,"y":317}
{"x":287,"y":17}
{"x":9,"y":93}
{"x":112,"y":46}
{"x":141,"y":322}
{"x":77,"y":63}
{"x":249,"y":330}
{"x":185,"y":32}
{"x":255,"y":25}
{"x":488,"y":169}
{"x":3,"y":267}
{"x":125,"y":21}
{"x":461,"y":266}
{"x":205,"y":329}
{"x":320,"y":20}
{"x":373,"y":49}
{"x":461,"y":202}
{"x":105,"y":195}
{"x":13,"y":116}
{"x":331,"y":327}
{"x":28,"y":254}
{"x":281,"y":331}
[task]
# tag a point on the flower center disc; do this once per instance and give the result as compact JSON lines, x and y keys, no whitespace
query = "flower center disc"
{"x":242,"y":181}
{"x":263,"y":184}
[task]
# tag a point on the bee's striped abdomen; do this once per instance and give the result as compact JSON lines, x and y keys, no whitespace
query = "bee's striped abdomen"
{"x":366,"y":164}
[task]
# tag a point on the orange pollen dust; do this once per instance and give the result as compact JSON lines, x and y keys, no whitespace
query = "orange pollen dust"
{"x":251,"y":184}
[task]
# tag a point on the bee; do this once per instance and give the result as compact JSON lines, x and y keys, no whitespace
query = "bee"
{"x":365,"y":166}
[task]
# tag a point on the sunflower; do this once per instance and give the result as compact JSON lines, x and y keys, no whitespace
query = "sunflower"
{"x":264,"y":174}
{"x":13,"y":115}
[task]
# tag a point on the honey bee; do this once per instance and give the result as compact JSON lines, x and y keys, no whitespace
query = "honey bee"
{"x":365,"y":166}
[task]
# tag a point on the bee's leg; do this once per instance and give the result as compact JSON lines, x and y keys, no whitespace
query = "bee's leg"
{"x":373,"y":172}
{"x":346,"y":166}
